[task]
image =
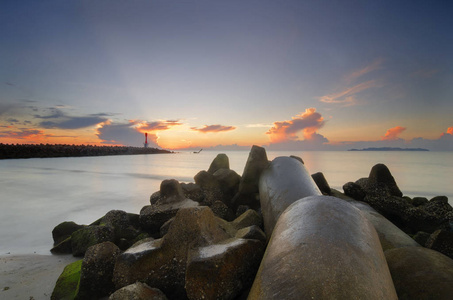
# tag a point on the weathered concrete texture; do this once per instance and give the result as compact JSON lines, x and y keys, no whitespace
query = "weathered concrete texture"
{"x":138,"y":291}
{"x":221,"y":161}
{"x":222,"y":271}
{"x":323,"y":248}
{"x":249,"y":185}
{"x":421,"y":273}
{"x":389,"y":234}
{"x":285,"y":181}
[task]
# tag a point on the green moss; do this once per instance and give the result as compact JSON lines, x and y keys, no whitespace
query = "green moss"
{"x":67,"y":284}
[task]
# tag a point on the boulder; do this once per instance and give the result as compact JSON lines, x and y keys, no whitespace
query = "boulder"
{"x":122,"y":226}
{"x":67,"y":282}
{"x":248,"y":193}
{"x":86,"y":237}
{"x":170,"y":192}
{"x":251,"y":233}
{"x":97,"y":271}
{"x":354,"y":191}
{"x":64,"y":230}
{"x":193,"y":191}
{"x":419,"y":201}
{"x":152,"y":217}
{"x":380,"y":174}
{"x":221,"y":161}
{"x":137,"y":291}
{"x":321,"y":183}
{"x":442,"y":241}
{"x":221,"y":210}
{"x":222,"y":271}
{"x":162,"y":263}
{"x":249,"y":218}
{"x":421,"y":238}
{"x":436,"y":214}
{"x":229,"y":184}
{"x":420,"y":273}
{"x":210,"y":187}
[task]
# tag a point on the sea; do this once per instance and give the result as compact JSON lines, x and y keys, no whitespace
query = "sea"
{"x":39,"y":193}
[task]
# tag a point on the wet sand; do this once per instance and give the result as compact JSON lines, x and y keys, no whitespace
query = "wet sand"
{"x":30,"y":277}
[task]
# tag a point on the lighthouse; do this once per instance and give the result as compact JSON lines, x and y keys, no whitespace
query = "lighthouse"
{"x":146,"y":140}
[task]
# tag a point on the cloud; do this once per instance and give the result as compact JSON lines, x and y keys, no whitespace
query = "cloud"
{"x":124,"y":134}
{"x":308,"y":122}
{"x":376,"y":64}
{"x":213,"y":128}
{"x":347,"y":97}
{"x":392,"y":133}
{"x":157,"y":125}
{"x":63,"y":121}
{"x":424,"y":74}
{"x":449,"y":131}
{"x":22,"y":133}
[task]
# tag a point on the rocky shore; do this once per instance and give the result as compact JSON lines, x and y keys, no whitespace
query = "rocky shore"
{"x":11,"y":151}
{"x":206,"y":239}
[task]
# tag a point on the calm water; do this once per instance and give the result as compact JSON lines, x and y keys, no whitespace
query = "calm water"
{"x":38,"y":194}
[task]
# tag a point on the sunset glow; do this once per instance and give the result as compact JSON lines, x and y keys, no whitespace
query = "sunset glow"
{"x":306,"y":75}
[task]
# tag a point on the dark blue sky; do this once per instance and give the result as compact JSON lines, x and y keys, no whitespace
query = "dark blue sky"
{"x":365,"y":66}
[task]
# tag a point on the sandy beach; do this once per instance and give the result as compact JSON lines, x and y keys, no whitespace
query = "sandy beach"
{"x":30,"y":277}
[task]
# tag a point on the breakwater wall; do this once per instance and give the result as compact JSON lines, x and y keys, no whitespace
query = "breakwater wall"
{"x":273,"y":233}
{"x":11,"y":151}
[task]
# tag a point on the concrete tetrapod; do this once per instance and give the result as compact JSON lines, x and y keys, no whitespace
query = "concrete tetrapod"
{"x":323,"y":248}
{"x":283,"y":182}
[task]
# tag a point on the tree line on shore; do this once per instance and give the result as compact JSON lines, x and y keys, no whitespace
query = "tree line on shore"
{"x":9,"y":151}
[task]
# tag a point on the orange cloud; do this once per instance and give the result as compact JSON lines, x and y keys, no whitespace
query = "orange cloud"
{"x":144,"y":126}
{"x":213,"y":128}
{"x":308,"y":122}
{"x":347,"y":96}
{"x":450,"y":130}
{"x":392,"y":133}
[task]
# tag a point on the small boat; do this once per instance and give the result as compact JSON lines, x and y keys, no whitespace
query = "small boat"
{"x":198,"y":151}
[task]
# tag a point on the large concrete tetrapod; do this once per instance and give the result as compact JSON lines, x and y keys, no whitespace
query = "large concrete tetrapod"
{"x":285,"y":181}
{"x":323,"y":248}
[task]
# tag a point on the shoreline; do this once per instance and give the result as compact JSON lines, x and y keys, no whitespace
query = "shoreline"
{"x":30,"y":276}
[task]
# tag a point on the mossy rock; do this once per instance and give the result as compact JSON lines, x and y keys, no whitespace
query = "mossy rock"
{"x":68,"y":283}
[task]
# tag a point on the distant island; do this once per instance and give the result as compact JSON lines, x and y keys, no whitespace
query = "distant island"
{"x":389,"y":149}
{"x":11,"y":151}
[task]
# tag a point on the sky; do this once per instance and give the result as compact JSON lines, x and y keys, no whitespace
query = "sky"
{"x":287,"y":75}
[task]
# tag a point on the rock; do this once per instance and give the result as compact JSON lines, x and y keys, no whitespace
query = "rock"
{"x":323,"y":248}
{"x":321,"y":183}
{"x":420,"y":273}
{"x":419,"y":201}
{"x":436,"y":214}
{"x":354,"y":190}
{"x":222,"y":271}
{"x":64,"y":230}
{"x":193,"y":191}
{"x":138,"y":291}
{"x":421,"y":238}
{"x":241,"y":209}
{"x":210,"y":187}
{"x":123,"y":230}
{"x":162,"y":263}
{"x":220,"y":162}
{"x":97,"y":271}
{"x":442,"y":241}
{"x":249,"y":218}
{"x":152,"y":217}
{"x":251,"y":233}
{"x":222,"y":211}
{"x":64,"y":247}
{"x":67,"y":283}
{"x":86,"y":237}
{"x":248,"y":186}
{"x":164,"y":228}
{"x":229,"y":184}
{"x":380,"y":174}
{"x":170,"y":192}
{"x":390,"y":235}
